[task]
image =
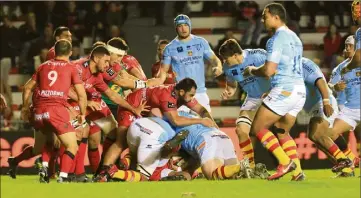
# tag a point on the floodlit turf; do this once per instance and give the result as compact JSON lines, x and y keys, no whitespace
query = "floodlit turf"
{"x":318,"y":185}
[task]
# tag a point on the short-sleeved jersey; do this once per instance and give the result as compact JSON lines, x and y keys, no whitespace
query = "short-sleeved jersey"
{"x":170,"y":76}
{"x":194,"y":137}
{"x":93,"y":83}
{"x":162,"y":97}
{"x":352,"y":91}
{"x":285,"y":49}
{"x":358,"y":39}
{"x":54,"y":79}
{"x":336,"y":77}
{"x":130,"y":62}
{"x":51,"y":54}
{"x":187,"y":59}
{"x":312,"y":73}
{"x":253,"y":86}
{"x":109,"y":75}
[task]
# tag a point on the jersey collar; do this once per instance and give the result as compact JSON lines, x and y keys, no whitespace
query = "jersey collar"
{"x":281,"y":28}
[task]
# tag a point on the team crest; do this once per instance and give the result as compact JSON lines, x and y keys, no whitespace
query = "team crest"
{"x":86,"y":64}
{"x":180,"y":49}
{"x":234,"y":72}
{"x":190,"y":53}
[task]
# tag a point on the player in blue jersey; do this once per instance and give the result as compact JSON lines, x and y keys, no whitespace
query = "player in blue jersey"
{"x":147,"y":138}
{"x":356,"y":16}
{"x":336,"y":84}
{"x":321,"y":105}
{"x":235,"y":61}
{"x":288,"y":93}
{"x":186,"y":54}
{"x":212,"y":149}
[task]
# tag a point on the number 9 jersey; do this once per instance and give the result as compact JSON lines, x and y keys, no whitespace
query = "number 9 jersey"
{"x":54,"y":79}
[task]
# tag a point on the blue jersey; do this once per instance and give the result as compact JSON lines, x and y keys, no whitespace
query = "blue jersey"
{"x":187,"y":59}
{"x":336,"y":77}
{"x":311,"y":73}
{"x":358,"y":39}
{"x":194,"y":139}
{"x":285,"y":49}
{"x":253,"y":86}
{"x":168,"y":133}
{"x":352,"y":91}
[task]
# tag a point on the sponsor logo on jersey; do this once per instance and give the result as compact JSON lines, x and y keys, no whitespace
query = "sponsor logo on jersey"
{"x":171,"y":105}
{"x":110,"y":72}
{"x":180,"y":49}
{"x":234,"y":72}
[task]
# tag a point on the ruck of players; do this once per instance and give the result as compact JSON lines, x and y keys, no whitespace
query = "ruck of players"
{"x":135,"y":128}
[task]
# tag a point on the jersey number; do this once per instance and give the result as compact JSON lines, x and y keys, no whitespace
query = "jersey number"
{"x":53,"y":76}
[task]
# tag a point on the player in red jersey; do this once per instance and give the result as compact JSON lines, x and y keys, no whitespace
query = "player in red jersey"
{"x":53,"y":80}
{"x":3,"y":103}
{"x":156,"y":66}
{"x":59,"y":33}
{"x":167,"y":99}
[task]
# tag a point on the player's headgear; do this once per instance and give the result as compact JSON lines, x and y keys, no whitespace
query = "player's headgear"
{"x":118,"y":46}
{"x":182,"y":19}
{"x":100,"y":50}
{"x":356,"y":14}
{"x":350,"y":40}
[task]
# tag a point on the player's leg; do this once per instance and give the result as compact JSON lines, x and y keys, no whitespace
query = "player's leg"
{"x":27,"y":153}
{"x":93,"y":150}
{"x":243,"y":127}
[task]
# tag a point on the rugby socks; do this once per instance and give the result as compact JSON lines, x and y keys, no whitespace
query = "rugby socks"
{"x":26,"y":154}
{"x":341,"y":143}
{"x":226,"y":172}
{"x":336,"y":152}
{"x":128,"y":176}
{"x":271,"y":143}
{"x":79,"y":167}
{"x":94,"y":158}
{"x":67,"y":161}
{"x":126,"y":161}
{"x":349,"y":154}
{"x":46,"y":155}
{"x":247,"y":150}
{"x":289,"y":146}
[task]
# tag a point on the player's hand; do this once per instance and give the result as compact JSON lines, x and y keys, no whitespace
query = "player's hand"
{"x":327,"y":109}
{"x":344,"y":70}
{"x":208,"y":122}
{"x":217,"y":71}
{"x":81,"y":120}
{"x":94,"y":106}
{"x":340,"y":86}
{"x":248,"y":70}
{"x":3,"y":103}
{"x":162,"y":75}
{"x":141,"y":108}
{"x":25,"y":114}
{"x":227,"y":93}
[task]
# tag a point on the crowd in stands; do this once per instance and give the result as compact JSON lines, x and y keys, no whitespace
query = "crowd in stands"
{"x":27,"y":44}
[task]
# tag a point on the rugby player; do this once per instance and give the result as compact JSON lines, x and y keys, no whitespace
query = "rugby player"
{"x":156,"y":66}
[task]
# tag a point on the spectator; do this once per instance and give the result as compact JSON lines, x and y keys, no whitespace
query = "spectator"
{"x":6,"y":112}
{"x":28,"y":31}
{"x":332,"y":42}
{"x":96,"y":21}
{"x":263,"y":42}
{"x":227,"y":35}
{"x":156,"y":66}
{"x":114,"y":31}
{"x":116,"y":14}
{"x":293,"y":16}
{"x":75,"y":20}
{"x":9,"y":39}
{"x":250,"y":16}
{"x":154,"y":9}
{"x":49,"y":12}
{"x":39,"y":59}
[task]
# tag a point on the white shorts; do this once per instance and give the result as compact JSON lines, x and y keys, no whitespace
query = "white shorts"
{"x":216,"y":145}
{"x":282,"y":102}
{"x":202,"y":99}
{"x":340,"y":107}
{"x":350,"y":116}
{"x":317,"y":111}
{"x":251,"y":104}
{"x":142,"y":137}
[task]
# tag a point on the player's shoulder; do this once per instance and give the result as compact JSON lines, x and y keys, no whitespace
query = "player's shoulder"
{"x":199,"y":38}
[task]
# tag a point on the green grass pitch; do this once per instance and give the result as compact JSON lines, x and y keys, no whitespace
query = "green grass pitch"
{"x":319,"y":184}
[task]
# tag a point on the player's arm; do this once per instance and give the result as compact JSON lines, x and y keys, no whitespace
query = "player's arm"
{"x":267,"y":70}
{"x":214,"y":61}
{"x":323,"y":88}
{"x":27,"y":91}
{"x":72,"y":94}
{"x":230,"y":90}
{"x":135,"y":72}
{"x":119,"y":100}
{"x":166,"y":61}
{"x":82,"y":97}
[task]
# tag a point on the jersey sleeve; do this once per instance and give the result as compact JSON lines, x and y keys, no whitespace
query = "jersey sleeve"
{"x":167,"y":59}
{"x":168,"y":102}
{"x":100,"y":85}
{"x":261,"y":56}
{"x":335,"y":76}
{"x":51,"y":54}
{"x":208,"y":52}
{"x":75,"y":76}
{"x":130,"y":63}
{"x":312,"y":72}
{"x":109,"y":74}
{"x":358,"y":39}
{"x":274,"y":48}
